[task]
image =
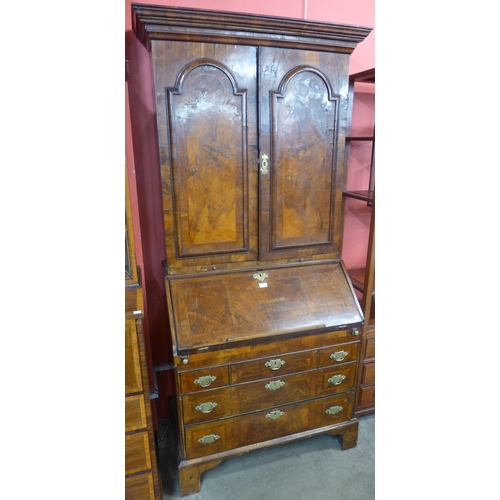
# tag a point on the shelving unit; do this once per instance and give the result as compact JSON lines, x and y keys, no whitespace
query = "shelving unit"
{"x":363,"y":278}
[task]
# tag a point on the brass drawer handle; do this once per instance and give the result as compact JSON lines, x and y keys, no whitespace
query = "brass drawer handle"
{"x":275,"y":364}
{"x":206,"y":407}
{"x":339,"y":355}
{"x":210,"y":438}
{"x":205,"y":381}
{"x":333,"y":410}
{"x":274,"y":385}
{"x":336,"y":379}
{"x":275,"y":414}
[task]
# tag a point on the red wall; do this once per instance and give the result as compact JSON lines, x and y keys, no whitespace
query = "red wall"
{"x":143,"y":162}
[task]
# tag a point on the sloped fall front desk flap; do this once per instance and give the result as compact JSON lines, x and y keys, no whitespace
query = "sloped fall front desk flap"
{"x":233,"y":307}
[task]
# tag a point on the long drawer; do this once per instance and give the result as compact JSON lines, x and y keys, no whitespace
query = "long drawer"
{"x":226,"y":434}
{"x":252,"y":396}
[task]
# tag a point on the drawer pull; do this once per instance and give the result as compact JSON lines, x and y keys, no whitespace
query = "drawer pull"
{"x":333,"y":410}
{"x":339,"y":355}
{"x":274,"y":385}
{"x":210,"y":438}
{"x":206,"y":407}
{"x":336,"y":379}
{"x":275,"y":364}
{"x":275,"y":414}
{"x":205,"y":381}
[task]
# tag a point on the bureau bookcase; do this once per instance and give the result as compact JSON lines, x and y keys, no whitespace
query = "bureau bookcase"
{"x":265,"y":325}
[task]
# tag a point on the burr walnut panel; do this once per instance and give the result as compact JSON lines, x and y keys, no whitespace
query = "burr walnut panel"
{"x":223,"y":308}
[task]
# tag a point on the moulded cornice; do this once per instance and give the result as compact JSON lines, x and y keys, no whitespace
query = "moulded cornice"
{"x":173,"y":23}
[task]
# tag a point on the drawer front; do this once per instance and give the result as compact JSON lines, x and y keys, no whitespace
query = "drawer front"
{"x":370,"y":347}
{"x":135,"y":413}
{"x":273,"y":366}
{"x":200,"y":380}
{"x":367,"y":395}
{"x":219,"y":403}
{"x":368,"y":373}
{"x":338,"y":379}
{"x":137,"y":453}
{"x":207,"y":405}
{"x":207,"y":439}
{"x":139,"y":487}
{"x":342,"y":353}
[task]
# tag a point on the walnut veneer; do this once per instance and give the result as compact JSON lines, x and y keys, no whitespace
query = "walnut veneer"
{"x":265,"y":325}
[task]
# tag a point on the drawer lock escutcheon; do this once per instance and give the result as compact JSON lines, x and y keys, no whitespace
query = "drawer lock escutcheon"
{"x":206,"y":407}
{"x":274,"y":385}
{"x":260,"y":276}
{"x":333,"y":410}
{"x":275,"y":414}
{"x":210,"y":438}
{"x":205,"y":381}
{"x":336,"y":379}
{"x":339,"y":355}
{"x":275,"y":364}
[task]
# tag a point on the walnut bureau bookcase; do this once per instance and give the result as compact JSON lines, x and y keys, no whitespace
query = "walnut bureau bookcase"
{"x":265,"y":325}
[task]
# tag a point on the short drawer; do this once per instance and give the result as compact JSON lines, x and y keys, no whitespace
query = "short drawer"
{"x":137,"y":453}
{"x":367,"y":395}
{"x":244,"y":430}
{"x":370,"y":347}
{"x":341,"y":353}
{"x":207,"y":405}
{"x":199,"y":380}
{"x":338,"y":379}
{"x":368,"y":372}
{"x":273,"y":366}
{"x":140,"y":487}
{"x":135,"y":413}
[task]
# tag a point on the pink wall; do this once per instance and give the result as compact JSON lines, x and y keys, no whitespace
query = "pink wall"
{"x":142,"y":155}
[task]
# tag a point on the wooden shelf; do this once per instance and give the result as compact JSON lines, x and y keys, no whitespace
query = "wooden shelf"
{"x":358,"y":279}
{"x":360,"y":138}
{"x":364,"y":195}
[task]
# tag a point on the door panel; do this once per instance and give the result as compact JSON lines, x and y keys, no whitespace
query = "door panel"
{"x":209,"y":117}
{"x":302,"y":109}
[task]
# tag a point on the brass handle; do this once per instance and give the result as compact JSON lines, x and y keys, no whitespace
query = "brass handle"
{"x":263,"y":164}
{"x":336,"y":379}
{"x":275,"y":364}
{"x":206,"y":407}
{"x":339,"y":355}
{"x":274,"y":385}
{"x":333,"y":410}
{"x":275,"y":414}
{"x":205,"y":381}
{"x":210,"y":438}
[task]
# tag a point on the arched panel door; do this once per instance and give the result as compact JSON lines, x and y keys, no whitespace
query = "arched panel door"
{"x":210,"y":132}
{"x":301,"y":112}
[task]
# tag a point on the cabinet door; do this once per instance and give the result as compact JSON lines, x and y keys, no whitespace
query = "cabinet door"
{"x":302,"y":120}
{"x":207,"y":126}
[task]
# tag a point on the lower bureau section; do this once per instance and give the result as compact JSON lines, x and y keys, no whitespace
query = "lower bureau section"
{"x":227,"y":434}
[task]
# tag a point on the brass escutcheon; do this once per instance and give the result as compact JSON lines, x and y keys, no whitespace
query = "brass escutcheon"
{"x":205,"y":381}
{"x":206,"y":407}
{"x":263,"y":164}
{"x":274,"y":385}
{"x":261,"y":276}
{"x":333,"y":410}
{"x":339,"y":355}
{"x":336,"y":379}
{"x":210,"y":438}
{"x":275,"y":364}
{"x":275,"y":414}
